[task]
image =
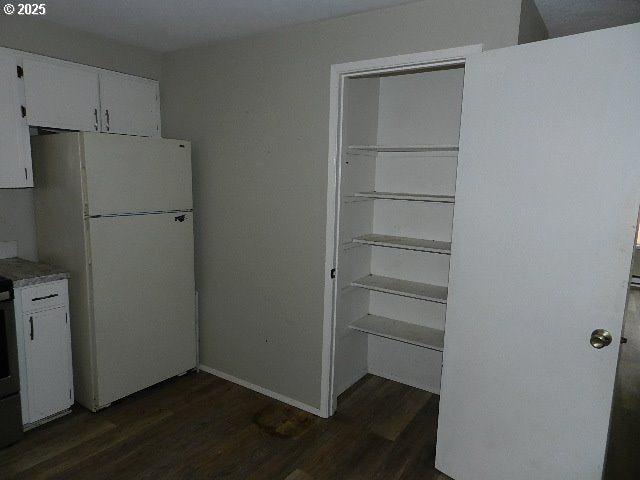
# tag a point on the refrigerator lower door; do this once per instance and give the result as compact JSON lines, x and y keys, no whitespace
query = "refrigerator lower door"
{"x":143,"y":301}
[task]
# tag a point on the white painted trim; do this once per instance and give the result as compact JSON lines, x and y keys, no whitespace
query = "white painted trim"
{"x":259,"y":389}
{"x":327,"y":407}
{"x":449,"y":56}
{"x":398,"y":63}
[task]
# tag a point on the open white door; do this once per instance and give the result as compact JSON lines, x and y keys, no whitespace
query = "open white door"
{"x":546,"y":209}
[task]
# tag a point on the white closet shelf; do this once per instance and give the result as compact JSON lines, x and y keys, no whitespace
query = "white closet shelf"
{"x":405,"y":288}
{"x":419,"y":335}
{"x":405,"y":148}
{"x":420,"y":197}
{"x":405,"y":243}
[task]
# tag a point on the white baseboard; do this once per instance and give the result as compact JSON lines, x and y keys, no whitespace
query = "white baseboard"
{"x":262,"y":390}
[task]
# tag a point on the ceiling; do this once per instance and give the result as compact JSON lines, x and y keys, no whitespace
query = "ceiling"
{"x":174,"y":24}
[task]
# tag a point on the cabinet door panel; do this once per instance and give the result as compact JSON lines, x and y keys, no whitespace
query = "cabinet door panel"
{"x":15,"y":149}
{"x":129,"y":104}
{"x":46,"y":336}
{"x":61,"y":94}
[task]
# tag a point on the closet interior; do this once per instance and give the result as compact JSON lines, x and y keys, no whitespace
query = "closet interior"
{"x":396,"y":180}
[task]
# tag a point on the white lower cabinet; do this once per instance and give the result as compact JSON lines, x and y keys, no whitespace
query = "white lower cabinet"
{"x":44,"y":345}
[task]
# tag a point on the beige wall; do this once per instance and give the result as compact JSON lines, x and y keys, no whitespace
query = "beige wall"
{"x":32,"y":35}
{"x":257,"y":112}
{"x":44,"y":38}
{"x":17,"y":220}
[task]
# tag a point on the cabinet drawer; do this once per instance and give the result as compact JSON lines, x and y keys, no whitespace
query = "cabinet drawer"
{"x":43,"y":296}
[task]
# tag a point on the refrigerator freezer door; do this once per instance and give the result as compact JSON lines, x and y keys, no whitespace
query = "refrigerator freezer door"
{"x":143,"y":301}
{"x":126,"y":174}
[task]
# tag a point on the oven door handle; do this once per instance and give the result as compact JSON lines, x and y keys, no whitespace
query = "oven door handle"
{"x":31,"y":327}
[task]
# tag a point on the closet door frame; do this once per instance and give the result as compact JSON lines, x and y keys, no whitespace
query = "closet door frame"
{"x":339,"y":73}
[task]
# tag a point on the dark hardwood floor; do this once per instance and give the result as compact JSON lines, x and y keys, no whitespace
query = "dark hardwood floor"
{"x":623,"y":461}
{"x":201,"y":427}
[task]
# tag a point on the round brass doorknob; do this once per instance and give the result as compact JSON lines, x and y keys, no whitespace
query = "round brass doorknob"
{"x":600,"y":338}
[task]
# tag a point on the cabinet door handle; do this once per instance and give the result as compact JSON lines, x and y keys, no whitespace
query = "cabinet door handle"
{"x":31,"y":327}
{"x":95,"y":114}
{"x":36,"y":299}
{"x":106,"y":113}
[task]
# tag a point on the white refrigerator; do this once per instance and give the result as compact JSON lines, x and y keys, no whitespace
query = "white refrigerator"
{"x":117,"y":212}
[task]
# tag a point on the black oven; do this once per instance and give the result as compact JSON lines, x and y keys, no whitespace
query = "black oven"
{"x":10,"y":416}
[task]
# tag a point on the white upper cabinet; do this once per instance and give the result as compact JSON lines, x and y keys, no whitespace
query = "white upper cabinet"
{"x":77,"y":97}
{"x":15,"y":149}
{"x":61,"y":94}
{"x":45,"y":92}
{"x":129,"y":104}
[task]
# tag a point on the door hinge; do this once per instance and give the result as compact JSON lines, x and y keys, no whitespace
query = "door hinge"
{"x":26,"y":174}
{"x":69,"y":394}
{"x":66,"y":318}
{"x":623,"y":340}
{"x":20,"y":71}
{"x":23,"y":110}
{"x":333,"y":273}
